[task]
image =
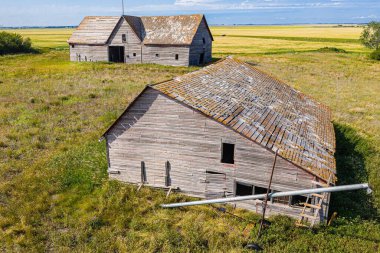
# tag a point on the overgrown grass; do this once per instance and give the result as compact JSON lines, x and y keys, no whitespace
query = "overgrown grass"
{"x":54,"y":190}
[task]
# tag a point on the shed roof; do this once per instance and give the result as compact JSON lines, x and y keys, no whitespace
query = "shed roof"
{"x":263,"y":109}
{"x":94,"y":30}
{"x":151,"y":30}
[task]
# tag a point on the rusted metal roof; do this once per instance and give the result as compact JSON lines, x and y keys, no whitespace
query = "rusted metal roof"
{"x":151,"y":30}
{"x":94,"y":30}
{"x":263,"y":109}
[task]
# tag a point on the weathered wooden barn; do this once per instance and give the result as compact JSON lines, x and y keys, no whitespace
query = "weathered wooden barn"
{"x":169,"y":40}
{"x":214,"y":132}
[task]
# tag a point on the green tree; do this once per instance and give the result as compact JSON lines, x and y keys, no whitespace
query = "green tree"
{"x":12,"y":43}
{"x":371,"y":35}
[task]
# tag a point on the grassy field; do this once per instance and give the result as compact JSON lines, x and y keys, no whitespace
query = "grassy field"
{"x":54,"y":191}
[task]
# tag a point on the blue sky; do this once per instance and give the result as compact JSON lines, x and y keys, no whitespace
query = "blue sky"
{"x":70,"y":12}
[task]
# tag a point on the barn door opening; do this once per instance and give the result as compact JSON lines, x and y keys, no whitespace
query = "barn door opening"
{"x":116,"y":54}
{"x":216,"y":184}
{"x":201,"y":59}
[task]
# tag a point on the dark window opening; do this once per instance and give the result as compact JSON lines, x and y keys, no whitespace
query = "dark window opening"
{"x":123,"y":37}
{"x":168,"y":181}
{"x":177,"y":57}
{"x":228,"y":151}
{"x":243,"y":189}
{"x":134,"y":54}
{"x":157,"y":55}
{"x":204,"y":40}
{"x":260,"y":190}
{"x":72,"y":45}
{"x":298,"y":200}
{"x":143,"y":173}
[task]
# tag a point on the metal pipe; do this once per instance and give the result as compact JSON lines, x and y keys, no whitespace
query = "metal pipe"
{"x":272,"y":195}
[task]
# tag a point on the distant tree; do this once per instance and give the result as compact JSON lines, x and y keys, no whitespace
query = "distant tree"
{"x":371,"y":35}
{"x":12,"y":43}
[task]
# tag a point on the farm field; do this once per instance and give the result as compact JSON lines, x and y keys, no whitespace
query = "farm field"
{"x":54,"y":192}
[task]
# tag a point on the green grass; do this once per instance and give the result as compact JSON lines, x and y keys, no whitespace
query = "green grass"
{"x":54,"y":190}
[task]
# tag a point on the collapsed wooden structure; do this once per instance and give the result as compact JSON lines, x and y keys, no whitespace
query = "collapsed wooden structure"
{"x":169,"y":40}
{"x":213,"y":133}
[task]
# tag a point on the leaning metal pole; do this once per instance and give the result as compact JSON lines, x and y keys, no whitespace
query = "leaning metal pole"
{"x":272,"y":195}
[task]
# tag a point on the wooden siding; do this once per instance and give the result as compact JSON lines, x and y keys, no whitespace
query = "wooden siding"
{"x":157,"y":129}
{"x":166,"y":55}
{"x":132,"y":45}
{"x":88,"y":53}
{"x":198,"y":47}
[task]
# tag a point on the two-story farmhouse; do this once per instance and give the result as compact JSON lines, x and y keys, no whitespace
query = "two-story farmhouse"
{"x":213,"y":133}
{"x":169,"y":40}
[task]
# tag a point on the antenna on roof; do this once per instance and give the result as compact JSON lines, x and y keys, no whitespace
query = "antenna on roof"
{"x":122,"y":6}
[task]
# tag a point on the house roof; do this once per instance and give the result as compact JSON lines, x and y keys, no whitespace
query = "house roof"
{"x":263,"y":109}
{"x":151,"y":30}
{"x":94,"y":30}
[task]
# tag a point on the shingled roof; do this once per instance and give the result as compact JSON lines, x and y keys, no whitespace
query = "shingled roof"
{"x":151,"y":30}
{"x":94,"y":30}
{"x":263,"y":109}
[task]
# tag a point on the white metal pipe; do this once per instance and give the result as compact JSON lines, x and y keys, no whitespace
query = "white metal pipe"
{"x":271,"y":195}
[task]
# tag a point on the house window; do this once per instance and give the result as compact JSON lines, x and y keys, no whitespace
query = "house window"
{"x":228,"y":151}
{"x":176,"y":57}
{"x":157,"y":55}
{"x":242,"y":189}
{"x":134,"y":54}
{"x":123,"y":37}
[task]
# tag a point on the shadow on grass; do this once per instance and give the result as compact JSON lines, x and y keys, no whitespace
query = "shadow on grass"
{"x":351,"y":154}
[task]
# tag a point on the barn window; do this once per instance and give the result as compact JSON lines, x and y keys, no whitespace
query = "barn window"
{"x":157,"y":55}
{"x":176,"y":57}
{"x":260,"y":190}
{"x":242,"y":189}
{"x":123,"y":37}
{"x":297,"y":200}
{"x":72,"y":45}
{"x":134,"y":54}
{"x":285,"y":200}
{"x":143,"y":173}
{"x":204,"y":40}
{"x":228,"y":151}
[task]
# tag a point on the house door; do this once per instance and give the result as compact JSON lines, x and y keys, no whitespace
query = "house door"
{"x":201,"y":58}
{"x":216,"y":184}
{"x":116,"y":54}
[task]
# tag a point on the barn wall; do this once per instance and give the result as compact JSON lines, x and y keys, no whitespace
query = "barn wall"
{"x":132,"y":46}
{"x":157,"y":129}
{"x":166,"y":55}
{"x":198,"y":47}
{"x":88,"y":53}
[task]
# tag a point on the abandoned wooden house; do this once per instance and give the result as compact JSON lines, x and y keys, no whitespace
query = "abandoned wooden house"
{"x":214,"y":132}
{"x":168,"y":40}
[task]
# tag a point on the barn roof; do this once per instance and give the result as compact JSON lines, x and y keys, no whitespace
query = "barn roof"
{"x":263,"y":109}
{"x":94,"y":30}
{"x":171,"y":30}
{"x":151,"y":30}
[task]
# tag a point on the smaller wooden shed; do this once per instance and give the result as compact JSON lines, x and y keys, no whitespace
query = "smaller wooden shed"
{"x":213,"y":133}
{"x":169,"y":40}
